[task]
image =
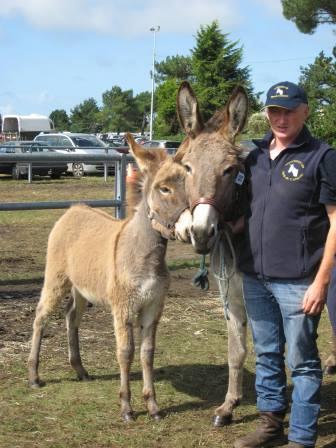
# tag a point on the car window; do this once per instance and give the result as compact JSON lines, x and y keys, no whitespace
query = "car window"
{"x":87,"y":141}
{"x":172,"y":144}
{"x":63,"y":142}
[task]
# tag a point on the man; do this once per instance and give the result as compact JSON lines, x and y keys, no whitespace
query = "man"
{"x":330,"y":364}
{"x":286,"y":262}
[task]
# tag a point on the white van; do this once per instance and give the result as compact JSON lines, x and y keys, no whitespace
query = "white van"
{"x":25,"y":127}
{"x":79,"y":143}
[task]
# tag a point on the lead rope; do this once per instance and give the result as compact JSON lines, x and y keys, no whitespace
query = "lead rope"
{"x":201,"y":279}
{"x":223,"y":274}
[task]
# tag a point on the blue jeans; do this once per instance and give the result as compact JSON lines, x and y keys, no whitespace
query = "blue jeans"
{"x":274,"y":309}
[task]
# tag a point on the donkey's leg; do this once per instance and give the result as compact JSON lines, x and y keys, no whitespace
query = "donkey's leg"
{"x":50,"y":298}
{"x":237,"y":329}
{"x":125,"y":353}
{"x":149,"y":321}
{"x":74,"y":313}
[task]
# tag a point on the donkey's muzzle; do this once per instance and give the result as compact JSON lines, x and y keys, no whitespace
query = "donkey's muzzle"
{"x":204,"y":227}
{"x":203,"y":239}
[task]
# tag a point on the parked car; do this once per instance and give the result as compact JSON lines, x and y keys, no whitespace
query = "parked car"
{"x":170,"y":145}
{"x":20,"y":170}
{"x":79,"y":143}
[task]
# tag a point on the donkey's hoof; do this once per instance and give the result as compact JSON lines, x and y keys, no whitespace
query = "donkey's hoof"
{"x":37,"y":384}
{"x":84,"y":378}
{"x":330,"y":370}
{"x":128,"y":417}
{"x":221,"y":420}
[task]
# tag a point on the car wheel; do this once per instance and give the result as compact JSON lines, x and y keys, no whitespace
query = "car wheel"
{"x":55,"y":174}
{"x":16,"y":173}
{"x":77,"y":169}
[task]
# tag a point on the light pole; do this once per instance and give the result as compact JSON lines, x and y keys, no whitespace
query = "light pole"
{"x":154,"y":30}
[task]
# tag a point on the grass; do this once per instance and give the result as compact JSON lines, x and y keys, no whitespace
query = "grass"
{"x":190,"y":364}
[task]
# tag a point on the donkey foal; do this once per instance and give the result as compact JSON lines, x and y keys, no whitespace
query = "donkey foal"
{"x":99,"y":259}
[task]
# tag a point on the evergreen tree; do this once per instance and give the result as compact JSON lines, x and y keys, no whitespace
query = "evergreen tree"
{"x":308,"y":14}
{"x":319,"y":81}
{"x":85,"y":117}
{"x":216,"y":63}
{"x":174,"y":67}
{"x":118,"y":112}
{"x":60,"y":119}
{"x":166,"y":122}
{"x":142,"y":106}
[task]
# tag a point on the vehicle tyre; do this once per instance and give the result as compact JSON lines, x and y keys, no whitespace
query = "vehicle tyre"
{"x":16,"y":174}
{"x":77,"y":169}
{"x":55,"y":174}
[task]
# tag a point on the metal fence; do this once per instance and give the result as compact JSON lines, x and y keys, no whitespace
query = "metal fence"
{"x":120,"y":161}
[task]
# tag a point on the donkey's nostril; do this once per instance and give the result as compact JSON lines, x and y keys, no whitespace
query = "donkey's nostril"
{"x":212,"y":231}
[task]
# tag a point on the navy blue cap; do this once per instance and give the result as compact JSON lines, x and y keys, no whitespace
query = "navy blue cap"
{"x":287,"y":95}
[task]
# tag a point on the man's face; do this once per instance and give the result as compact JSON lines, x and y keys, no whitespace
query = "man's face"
{"x":286,"y":124}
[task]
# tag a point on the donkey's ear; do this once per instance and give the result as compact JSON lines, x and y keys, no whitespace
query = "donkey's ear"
{"x":188,"y":110}
{"x":146,"y":159}
{"x":236,"y":112}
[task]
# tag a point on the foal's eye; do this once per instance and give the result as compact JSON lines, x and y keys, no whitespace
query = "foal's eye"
{"x":187,"y":168}
{"x":227,"y":170}
{"x":164,"y":190}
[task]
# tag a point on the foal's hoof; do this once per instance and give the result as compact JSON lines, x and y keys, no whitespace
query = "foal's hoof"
{"x":156,"y":417}
{"x":128,"y":417}
{"x":330,"y":370}
{"x":221,"y":420}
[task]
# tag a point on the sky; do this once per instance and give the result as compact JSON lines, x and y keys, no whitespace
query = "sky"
{"x":57,"y":53}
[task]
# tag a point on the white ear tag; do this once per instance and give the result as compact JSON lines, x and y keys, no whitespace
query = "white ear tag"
{"x":240,"y":178}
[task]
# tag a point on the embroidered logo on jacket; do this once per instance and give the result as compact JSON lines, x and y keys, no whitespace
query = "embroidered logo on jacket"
{"x":293,"y":170}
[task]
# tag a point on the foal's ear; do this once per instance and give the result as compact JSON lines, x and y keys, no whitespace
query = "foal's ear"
{"x":188,"y":110}
{"x":236,"y":112}
{"x":146,"y":159}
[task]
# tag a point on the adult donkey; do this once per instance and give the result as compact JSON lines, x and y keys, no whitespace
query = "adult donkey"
{"x":121,"y":264}
{"x":214,"y":186}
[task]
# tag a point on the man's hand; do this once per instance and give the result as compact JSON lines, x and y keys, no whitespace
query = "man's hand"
{"x":314,"y":299}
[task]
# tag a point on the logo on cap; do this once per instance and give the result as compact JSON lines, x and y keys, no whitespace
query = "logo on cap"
{"x":280,"y":92}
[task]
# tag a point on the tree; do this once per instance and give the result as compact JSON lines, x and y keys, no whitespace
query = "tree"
{"x":60,"y":119}
{"x":214,"y":69}
{"x":142,"y":105}
{"x":166,"y":122}
{"x":118,"y":112}
{"x":308,"y":14}
{"x":174,"y":67}
{"x":85,"y":117}
{"x":216,"y":64}
{"x":319,"y":81}
{"x":257,"y":125}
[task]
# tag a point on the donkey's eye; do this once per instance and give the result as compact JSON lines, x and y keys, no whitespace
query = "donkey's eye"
{"x":164,"y":190}
{"x":187,"y":168}
{"x":228,"y":170}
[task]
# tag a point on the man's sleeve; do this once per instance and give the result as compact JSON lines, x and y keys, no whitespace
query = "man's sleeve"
{"x":327,"y":169}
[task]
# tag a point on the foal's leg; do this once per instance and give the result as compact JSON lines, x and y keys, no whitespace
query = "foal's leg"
{"x":74,"y":313}
{"x":237,"y":328}
{"x":125,"y":354}
{"x":149,"y":322}
{"x":50,"y":298}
